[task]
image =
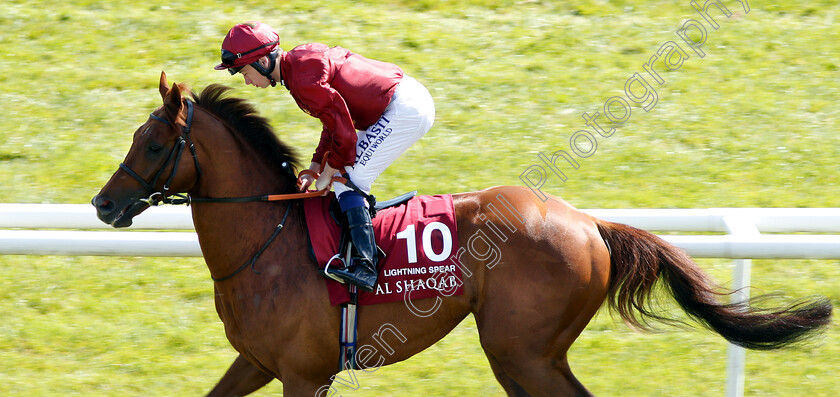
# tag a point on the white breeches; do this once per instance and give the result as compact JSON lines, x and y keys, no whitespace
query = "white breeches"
{"x":407,"y":118}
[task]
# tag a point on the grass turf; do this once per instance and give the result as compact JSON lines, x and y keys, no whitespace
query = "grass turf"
{"x":750,"y":124}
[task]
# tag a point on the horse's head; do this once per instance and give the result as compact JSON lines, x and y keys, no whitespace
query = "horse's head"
{"x":153,"y":167}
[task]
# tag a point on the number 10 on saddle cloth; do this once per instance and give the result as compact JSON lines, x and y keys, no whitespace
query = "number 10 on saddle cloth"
{"x":419,"y":238}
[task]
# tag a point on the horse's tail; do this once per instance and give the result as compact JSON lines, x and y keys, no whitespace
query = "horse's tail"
{"x":640,"y":259}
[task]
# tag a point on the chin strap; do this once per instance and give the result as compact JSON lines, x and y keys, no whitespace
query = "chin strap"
{"x":272,"y":56}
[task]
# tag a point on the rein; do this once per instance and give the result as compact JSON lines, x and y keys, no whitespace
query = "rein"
{"x":256,"y":256}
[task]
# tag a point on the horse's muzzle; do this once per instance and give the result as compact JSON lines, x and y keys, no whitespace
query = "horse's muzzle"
{"x":115,"y":214}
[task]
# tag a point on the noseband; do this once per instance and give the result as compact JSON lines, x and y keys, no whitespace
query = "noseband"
{"x":162,"y":197}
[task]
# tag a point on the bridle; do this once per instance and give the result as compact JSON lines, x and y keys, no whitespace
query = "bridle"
{"x":155,"y":198}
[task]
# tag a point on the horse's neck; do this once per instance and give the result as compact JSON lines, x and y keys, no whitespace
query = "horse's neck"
{"x":236,"y":171}
{"x":228,"y":232}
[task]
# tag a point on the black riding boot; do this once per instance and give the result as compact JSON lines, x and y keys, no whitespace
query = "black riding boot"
{"x":362,"y":271}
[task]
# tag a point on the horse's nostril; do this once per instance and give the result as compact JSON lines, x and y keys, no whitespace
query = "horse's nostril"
{"x":102,"y":204}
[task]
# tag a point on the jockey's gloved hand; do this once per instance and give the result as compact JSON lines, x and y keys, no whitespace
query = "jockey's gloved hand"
{"x":305,"y":179}
{"x":325,"y":178}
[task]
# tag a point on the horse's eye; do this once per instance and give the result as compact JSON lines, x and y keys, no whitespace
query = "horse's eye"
{"x":155,"y":147}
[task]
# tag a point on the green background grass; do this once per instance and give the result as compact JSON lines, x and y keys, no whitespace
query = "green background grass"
{"x":752,"y":124}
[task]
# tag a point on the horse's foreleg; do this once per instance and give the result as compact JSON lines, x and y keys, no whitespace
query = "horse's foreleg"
{"x":242,"y":378}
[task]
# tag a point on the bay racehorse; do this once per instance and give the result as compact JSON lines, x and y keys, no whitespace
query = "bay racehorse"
{"x":556,"y":269}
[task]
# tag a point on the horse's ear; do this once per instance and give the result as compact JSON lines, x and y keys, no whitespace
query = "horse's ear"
{"x":164,"y":85}
{"x":172,"y":103}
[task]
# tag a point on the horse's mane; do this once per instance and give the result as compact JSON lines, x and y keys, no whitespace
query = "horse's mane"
{"x":249,"y":125}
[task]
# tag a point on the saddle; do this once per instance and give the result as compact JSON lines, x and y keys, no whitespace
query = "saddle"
{"x":375,"y":206}
{"x":419,"y":236}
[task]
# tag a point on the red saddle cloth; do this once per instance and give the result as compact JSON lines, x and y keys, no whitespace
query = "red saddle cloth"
{"x":418,"y":237}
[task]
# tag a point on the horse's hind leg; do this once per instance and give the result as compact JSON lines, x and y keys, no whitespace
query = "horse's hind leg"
{"x":539,"y":376}
{"x":526,"y":336}
{"x":511,"y":387}
{"x":532,"y":312}
{"x":242,"y":378}
{"x":527,"y":344}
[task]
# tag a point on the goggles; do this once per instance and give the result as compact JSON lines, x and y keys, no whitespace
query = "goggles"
{"x":229,"y":58}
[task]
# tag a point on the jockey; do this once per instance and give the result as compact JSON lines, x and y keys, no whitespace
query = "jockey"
{"x":371,"y":113}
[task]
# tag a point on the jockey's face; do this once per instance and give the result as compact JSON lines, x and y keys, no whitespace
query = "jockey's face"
{"x":253,"y":77}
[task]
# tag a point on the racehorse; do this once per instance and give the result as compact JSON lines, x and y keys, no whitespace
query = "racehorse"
{"x":557,"y":268}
